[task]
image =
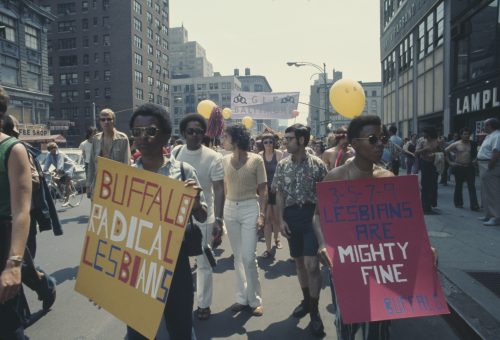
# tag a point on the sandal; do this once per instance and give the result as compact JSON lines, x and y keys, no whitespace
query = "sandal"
{"x":278,"y":244}
{"x":266,"y":254}
{"x":203,"y":313}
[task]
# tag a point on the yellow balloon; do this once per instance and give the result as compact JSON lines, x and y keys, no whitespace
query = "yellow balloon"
{"x":226,"y":113}
{"x":247,"y":122}
{"x":205,"y":108}
{"x":347,"y":97}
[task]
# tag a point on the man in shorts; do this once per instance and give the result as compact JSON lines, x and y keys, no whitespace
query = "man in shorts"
{"x":295,"y":182}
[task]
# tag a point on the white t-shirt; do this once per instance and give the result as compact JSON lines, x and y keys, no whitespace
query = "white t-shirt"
{"x":86,"y":148}
{"x":490,"y":143}
{"x":208,"y":166}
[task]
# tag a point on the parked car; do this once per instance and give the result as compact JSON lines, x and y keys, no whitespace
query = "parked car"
{"x":76,"y":156}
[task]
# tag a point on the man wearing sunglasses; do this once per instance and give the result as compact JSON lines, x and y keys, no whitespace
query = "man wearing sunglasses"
{"x":208,"y":165}
{"x":366,"y":136}
{"x":110,"y":143}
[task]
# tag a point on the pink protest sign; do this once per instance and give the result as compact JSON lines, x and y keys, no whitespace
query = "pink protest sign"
{"x":383,"y":267}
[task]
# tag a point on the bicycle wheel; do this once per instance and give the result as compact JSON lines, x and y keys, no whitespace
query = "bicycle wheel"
{"x":76,"y":195}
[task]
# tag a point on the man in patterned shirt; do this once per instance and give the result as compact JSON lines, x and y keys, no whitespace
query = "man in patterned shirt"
{"x":295,"y":182}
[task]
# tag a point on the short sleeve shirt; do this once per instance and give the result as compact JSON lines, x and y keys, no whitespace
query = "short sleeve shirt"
{"x":491,"y":143}
{"x":297,"y":181}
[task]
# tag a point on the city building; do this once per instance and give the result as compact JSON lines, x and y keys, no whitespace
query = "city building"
{"x":255,"y":83}
{"x":24,"y":62}
{"x":188,"y":92}
{"x":319,"y":117}
{"x":373,"y":98}
{"x":475,"y":64}
{"x":415,"y":62}
{"x":187,"y":58}
{"x":106,"y":54}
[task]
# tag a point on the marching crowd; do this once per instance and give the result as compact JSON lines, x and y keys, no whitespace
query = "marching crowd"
{"x":244,"y":185}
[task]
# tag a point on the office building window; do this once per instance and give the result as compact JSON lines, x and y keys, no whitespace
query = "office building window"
{"x":157,"y":39}
{"x":66,"y":26}
{"x":107,"y":57}
{"x":31,"y":37}
{"x":137,"y":24}
{"x":138,"y":42}
{"x":85,"y":24}
{"x":157,"y":8}
{"x":150,"y":33}
{"x":86,"y":77}
{"x":106,"y":40}
{"x":85,"y":59}
{"x":86,"y":111}
{"x":94,"y":4}
{"x":95,"y":20}
{"x":85,"y":5}
{"x":96,"y":57}
{"x":9,"y":70}
{"x":85,"y":42}
{"x":69,"y":96}
{"x":86,"y":94}
{"x":9,"y":32}
{"x":430,"y":32}
{"x":138,"y":76}
{"x":107,"y":92}
{"x":69,"y":60}
{"x":66,"y":8}
{"x":105,"y":4}
{"x":150,"y":81}
{"x":150,"y":3}
{"x":105,"y":21}
{"x":149,"y":17}
{"x":150,"y":49}
{"x":96,"y":93}
{"x":164,"y":44}
{"x":96,"y":75}
{"x":138,"y":59}
{"x":139,"y":94}
{"x":137,"y":7}
{"x":150,"y":65}
{"x":157,"y":23}
{"x":107,"y":75}
{"x":151,"y":97}
{"x":158,"y":54}
{"x":95,"y":39}
{"x":66,"y":44}
{"x":159,"y":100}
{"x":68,"y":78}
{"x":440,"y":24}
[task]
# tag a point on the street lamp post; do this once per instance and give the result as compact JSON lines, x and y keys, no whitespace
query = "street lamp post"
{"x":325,"y":78}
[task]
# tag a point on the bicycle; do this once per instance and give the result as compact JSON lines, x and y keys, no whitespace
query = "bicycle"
{"x":58,"y":190}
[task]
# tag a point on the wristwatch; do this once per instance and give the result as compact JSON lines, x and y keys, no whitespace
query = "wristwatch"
{"x":220,"y":220}
{"x":17,"y":260}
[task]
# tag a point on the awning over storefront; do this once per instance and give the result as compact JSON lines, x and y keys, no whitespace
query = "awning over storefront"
{"x":43,"y":139}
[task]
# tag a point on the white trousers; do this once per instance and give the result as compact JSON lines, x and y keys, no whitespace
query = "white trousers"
{"x":204,"y":272}
{"x":240,"y":219}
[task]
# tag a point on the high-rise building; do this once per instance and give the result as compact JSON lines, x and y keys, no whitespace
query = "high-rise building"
{"x":319,"y":117}
{"x":105,"y":53}
{"x":188,"y":92}
{"x":187,"y":58}
{"x":23,"y":60}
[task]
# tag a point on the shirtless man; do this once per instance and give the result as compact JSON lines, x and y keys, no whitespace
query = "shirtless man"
{"x":366,"y":136}
{"x":340,"y":152}
{"x":465,"y":151}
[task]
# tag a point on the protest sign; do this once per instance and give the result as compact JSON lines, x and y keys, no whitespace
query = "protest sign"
{"x":136,"y":227}
{"x":383,"y":267}
{"x":263,"y":105}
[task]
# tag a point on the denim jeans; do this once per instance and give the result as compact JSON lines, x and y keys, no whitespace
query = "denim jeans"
{"x":241,"y":218}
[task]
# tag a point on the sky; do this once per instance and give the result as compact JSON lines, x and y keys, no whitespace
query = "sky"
{"x":264,"y":34}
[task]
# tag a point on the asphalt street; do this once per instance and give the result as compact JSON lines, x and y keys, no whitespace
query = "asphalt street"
{"x":74,"y":317}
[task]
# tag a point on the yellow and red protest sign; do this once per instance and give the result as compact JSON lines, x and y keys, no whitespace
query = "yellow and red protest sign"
{"x":136,"y":227}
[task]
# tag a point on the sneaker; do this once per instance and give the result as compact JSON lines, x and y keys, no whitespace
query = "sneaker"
{"x":65,"y":204}
{"x":301,"y":310}
{"x":491,"y":222}
{"x":238,"y":307}
{"x":317,"y":327}
{"x":483,"y":218}
{"x":258,"y":311}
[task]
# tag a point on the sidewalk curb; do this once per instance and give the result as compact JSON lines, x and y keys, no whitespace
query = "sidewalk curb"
{"x":470,"y":319}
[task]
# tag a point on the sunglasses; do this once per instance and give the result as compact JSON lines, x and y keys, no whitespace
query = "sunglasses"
{"x":106,"y":119}
{"x":268,"y":142}
{"x":192,"y":131}
{"x":372,"y":139}
{"x":149,"y":131}
{"x":340,"y":136}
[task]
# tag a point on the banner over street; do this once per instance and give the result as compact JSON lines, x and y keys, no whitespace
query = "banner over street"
{"x":264,"y":105}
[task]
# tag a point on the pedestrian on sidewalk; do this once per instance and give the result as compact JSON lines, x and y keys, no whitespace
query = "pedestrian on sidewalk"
{"x":86,"y":147}
{"x":151,"y":129}
{"x":208,"y":166}
{"x":15,"y":186}
{"x":295,"y":182}
{"x":271,"y":158}
{"x":489,"y":170}
{"x":244,"y":211}
{"x":110,"y":143}
{"x":409,"y":149}
{"x":426,"y":149}
{"x":396,"y":148}
{"x":465,"y":151}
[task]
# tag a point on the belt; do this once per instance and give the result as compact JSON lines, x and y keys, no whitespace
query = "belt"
{"x":301,"y":205}
{"x":483,"y":160}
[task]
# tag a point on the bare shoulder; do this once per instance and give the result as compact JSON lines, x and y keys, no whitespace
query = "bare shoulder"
{"x":336,"y":174}
{"x":379,"y":172}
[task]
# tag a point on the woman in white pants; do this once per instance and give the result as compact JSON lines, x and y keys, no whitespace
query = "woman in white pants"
{"x":244,"y":210}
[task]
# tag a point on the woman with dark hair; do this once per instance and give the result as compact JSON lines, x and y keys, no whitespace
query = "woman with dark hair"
{"x":426,"y":150}
{"x":151,"y":130}
{"x":271,"y":158}
{"x":244,"y":181}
